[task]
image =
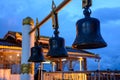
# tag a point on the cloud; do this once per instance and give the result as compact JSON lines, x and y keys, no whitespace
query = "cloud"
{"x":9,"y":24}
{"x":105,"y":3}
{"x":11,"y":7}
{"x":13,"y":12}
{"x":116,"y":63}
{"x":107,"y":14}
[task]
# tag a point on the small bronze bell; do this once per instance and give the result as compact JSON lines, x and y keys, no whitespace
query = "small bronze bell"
{"x":88,"y":33}
{"x":36,"y":54}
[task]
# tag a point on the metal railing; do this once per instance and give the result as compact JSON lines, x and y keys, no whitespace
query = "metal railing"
{"x":82,"y":75}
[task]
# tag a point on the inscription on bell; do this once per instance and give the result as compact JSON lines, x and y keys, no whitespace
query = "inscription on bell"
{"x":86,"y":27}
{"x":54,"y":42}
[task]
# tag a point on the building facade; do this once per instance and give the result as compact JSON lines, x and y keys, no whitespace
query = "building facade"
{"x":11,"y":50}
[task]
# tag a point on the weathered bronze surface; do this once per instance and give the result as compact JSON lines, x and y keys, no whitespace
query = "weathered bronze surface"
{"x":36,"y":54}
{"x":88,"y":33}
{"x":57,"y":47}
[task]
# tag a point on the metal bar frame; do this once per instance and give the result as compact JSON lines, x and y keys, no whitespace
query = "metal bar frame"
{"x":63,"y":4}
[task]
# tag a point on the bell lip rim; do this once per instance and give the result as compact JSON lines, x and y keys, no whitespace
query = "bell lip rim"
{"x":88,"y":46}
{"x":36,"y":61}
{"x":57,"y":57}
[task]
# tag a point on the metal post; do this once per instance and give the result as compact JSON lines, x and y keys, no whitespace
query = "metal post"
{"x":53,"y":66}
{"x":40,"y":76}
{"x":41,"y":68}
{"x":80,"y":63}
{"x":98,"y":71}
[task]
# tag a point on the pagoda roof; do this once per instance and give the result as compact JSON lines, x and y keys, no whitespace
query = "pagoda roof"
{"x":4,"y":42}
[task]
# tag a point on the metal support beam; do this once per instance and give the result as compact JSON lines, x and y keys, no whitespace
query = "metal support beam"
{"x":63,"y":4}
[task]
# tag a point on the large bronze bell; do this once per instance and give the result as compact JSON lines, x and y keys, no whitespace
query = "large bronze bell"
{"x":36,"y":54}
{"x":57,"y":47}
{"x":56,"y":44}
{"x":88,"y":33}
